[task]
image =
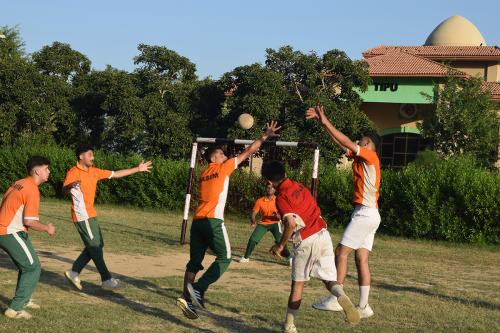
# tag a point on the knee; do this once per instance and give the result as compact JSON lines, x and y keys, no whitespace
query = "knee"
{"x":254,"y":240}
{"x":224,"y":260}
{"x":94,"y":245}
{"x":339,"y":253}
{"x":361,"y":260}
{"x":194,"y":267}
{"x":35,"y":268}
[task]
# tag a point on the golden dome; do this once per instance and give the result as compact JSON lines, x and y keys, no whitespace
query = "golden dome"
{"x":456,"y":31}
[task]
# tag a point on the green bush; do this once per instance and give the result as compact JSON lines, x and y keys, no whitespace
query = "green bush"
{"x":164,"y":187}
{"x":454,"y":199}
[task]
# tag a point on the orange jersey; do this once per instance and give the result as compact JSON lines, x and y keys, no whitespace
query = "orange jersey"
{"x":20,"y":202}
{"x":366,"y":171}
{"x":214,"y":183}
{"x":83,"y":196}
{"x":267,"y":208}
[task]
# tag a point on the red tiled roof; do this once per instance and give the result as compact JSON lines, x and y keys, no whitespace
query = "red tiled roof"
{"x":440,"y":52}
{"x":494,"y":88}
{"x":401,"y":64}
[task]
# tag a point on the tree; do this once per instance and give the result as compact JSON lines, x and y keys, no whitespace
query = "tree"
{"x":110,"y":111}
{"x":62,"y":61}
{"x":12,"y":46}
{"x":161,"y":68}
{"x":465,"y":120}
{"x":290,"y":82}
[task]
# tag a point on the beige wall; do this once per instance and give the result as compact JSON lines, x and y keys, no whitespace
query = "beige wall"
{"x":473,"y":68}
{"x":493,"y":73}
{"x":386,"y":115}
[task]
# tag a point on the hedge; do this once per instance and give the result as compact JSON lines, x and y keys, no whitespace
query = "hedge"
{"x":453,"y":200}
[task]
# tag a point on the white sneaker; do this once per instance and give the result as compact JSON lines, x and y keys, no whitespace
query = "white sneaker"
{"x":244,"y":260}
{"x":74,"y":278}
{"x":32,"y":305}
{"x":352,"y":315}
{"x":365,"y":312}
{"x":187,"y":308}
{"x":10,"y":313}
{"x":111,"y":284}
{"x":328,"y":303}
{"x":289,"y":328}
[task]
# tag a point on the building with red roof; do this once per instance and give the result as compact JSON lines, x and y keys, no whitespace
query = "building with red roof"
{"x":404,"y":78}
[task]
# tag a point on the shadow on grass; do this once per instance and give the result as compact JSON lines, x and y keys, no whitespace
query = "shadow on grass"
{"x":124,"y":229}
{"x":59,"y":281}
{"x":466,"y":301}
{"x":141,"y":233}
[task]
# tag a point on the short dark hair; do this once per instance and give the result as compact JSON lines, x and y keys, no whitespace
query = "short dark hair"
{"x":374,"y":137}
{"x":35,"y":161}
{"x":82,"y":148}
{"x":210,"y":151}
{"x":273,"y":171}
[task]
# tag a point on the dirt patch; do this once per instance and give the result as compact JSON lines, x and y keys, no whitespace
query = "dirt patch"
{"x":170,"y":263}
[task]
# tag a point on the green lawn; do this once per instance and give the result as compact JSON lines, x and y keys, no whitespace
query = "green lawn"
{"x":419,"y":286}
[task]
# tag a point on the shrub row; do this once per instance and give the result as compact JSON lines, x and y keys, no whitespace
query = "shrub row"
{"x":454,"y":199}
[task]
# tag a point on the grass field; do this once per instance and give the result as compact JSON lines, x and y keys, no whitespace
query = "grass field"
{"x":419,"y":286}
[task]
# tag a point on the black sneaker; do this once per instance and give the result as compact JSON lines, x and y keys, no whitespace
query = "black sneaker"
{"x":196,"y":296}
{"x":187,"y":308}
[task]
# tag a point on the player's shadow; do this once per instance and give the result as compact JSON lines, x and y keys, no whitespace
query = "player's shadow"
{"x":170,"y":293}
{"x":141,"y":233}
{"x":466,"y":301}
{"x":92,"y":289}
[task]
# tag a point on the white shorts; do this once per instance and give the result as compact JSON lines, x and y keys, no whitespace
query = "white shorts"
{"x":360,"y":232}
{"x":314,"y":257}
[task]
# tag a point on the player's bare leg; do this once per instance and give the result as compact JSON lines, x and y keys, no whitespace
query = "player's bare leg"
{"x":341,"y":255}
{"x":294,"y":301}
{"x":364,"y":281}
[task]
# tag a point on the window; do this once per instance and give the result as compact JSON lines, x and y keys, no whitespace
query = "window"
{"x":399,"y":149}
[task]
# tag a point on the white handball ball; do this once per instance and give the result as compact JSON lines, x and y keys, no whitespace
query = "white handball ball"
{"x":245,"y":121}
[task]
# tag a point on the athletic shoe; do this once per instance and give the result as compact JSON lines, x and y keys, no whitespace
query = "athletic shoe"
{"x":352,"y":315}
{"x":187,"y":308}
{"x":10,"y":313}
{"x":32,"y":305}
{"x":289,"y":328}
{"x":244,"y":260}
{"x":111,"y":284}
{"x":196,"y":296}
{"x":365,"y":312}
{"x":74,"y":278}
{"x":328,"y":303}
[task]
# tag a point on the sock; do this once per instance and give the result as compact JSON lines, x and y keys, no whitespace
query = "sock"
{"x":364,"y":291}
{"x":290,"y":316}
{"x":337,"y":290}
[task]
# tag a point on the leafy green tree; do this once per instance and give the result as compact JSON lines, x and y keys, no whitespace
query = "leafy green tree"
{"x":465,"y":120}
{"x":160,"y":68}
{"x":12,"y":46}
{"x":60,"y":60}
{"x":290,"y":82}
{"x":110,"y":111}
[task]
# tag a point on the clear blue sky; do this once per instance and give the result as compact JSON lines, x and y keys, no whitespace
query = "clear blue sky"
{"x":220,"y":35}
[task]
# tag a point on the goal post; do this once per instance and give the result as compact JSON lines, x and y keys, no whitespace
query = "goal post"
{"x":194,"y":150}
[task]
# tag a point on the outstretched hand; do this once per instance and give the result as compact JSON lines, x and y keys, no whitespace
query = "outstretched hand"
{"x":317,"y":112}
{"x":272,"y":128}
{"x":145,"y":166}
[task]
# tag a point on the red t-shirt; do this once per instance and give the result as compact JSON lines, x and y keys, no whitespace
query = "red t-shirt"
{"x":295,"y":199}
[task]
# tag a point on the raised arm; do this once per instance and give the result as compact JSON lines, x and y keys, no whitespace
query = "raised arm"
{"x":271,"y":129}
{"x":142,"y":167}
{"x":338,"y":137}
